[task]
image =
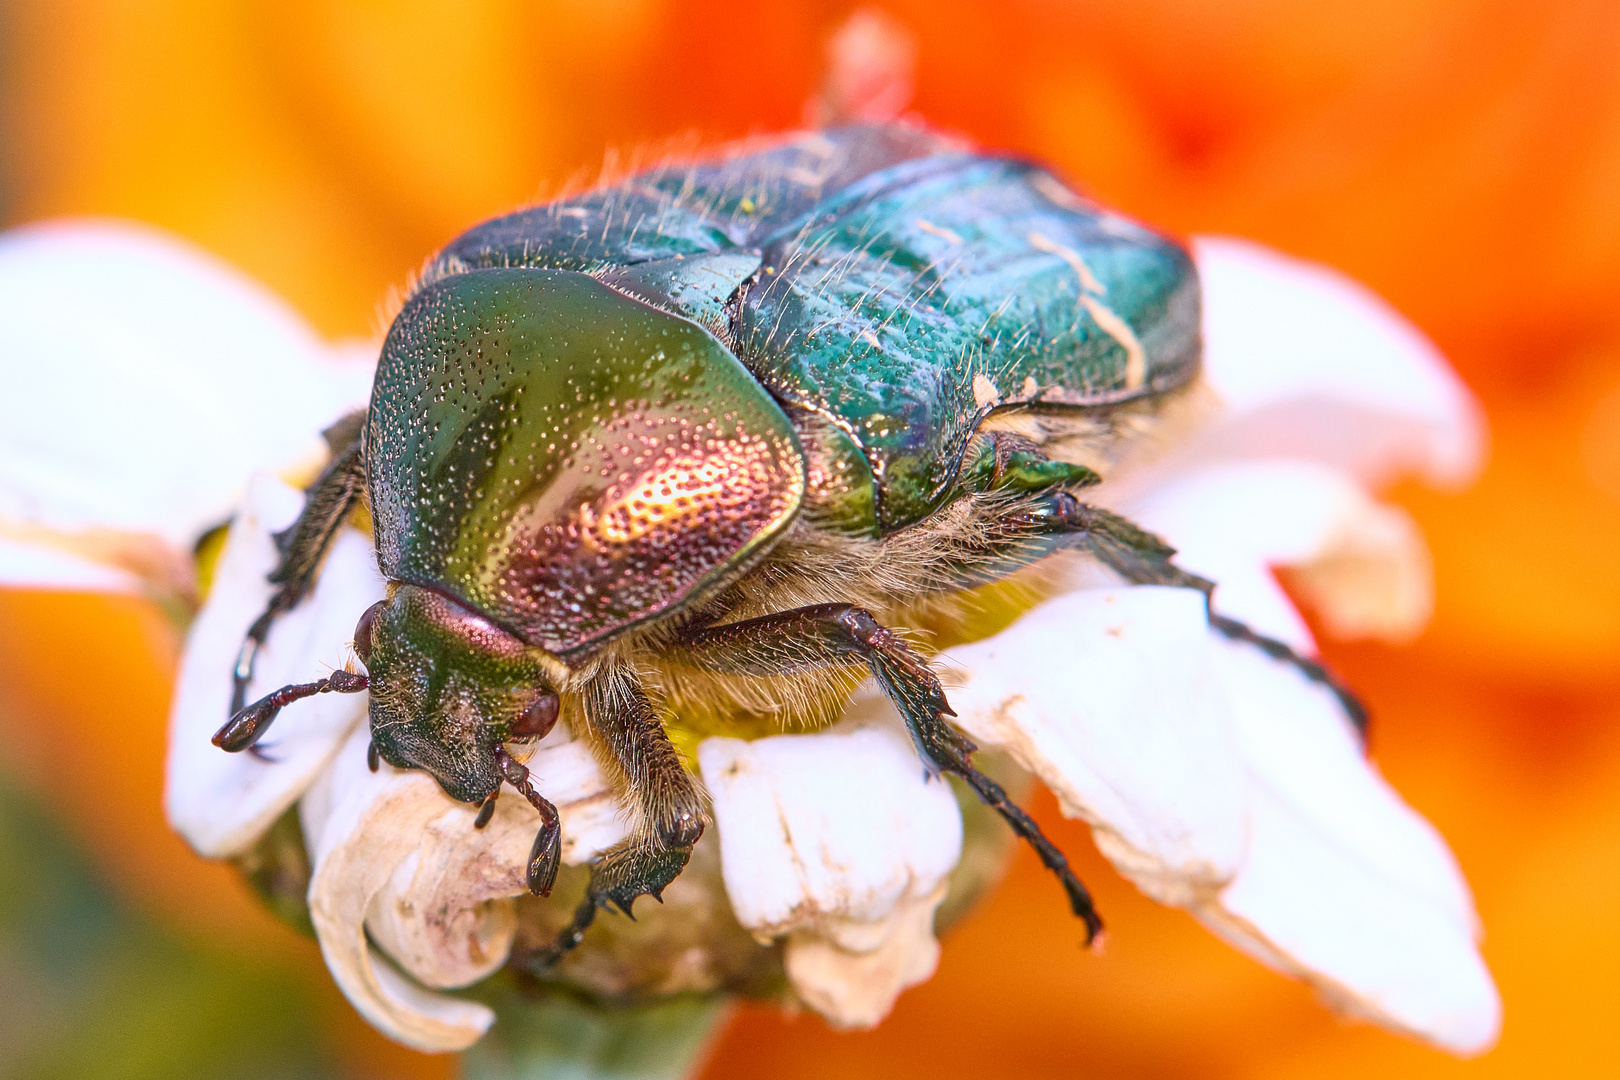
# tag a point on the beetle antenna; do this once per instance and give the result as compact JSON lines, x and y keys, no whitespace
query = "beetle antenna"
{"x":249,"y":724}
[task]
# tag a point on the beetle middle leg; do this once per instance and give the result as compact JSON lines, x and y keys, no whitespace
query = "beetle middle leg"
{"x":669,"y":808}
{"x":833,"y":634}
{"x":327,"y":503}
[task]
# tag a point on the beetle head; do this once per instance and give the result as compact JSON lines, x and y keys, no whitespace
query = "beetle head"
{"x":448,"y":687}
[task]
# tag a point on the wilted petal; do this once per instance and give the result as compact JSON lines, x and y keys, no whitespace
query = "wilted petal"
{"x":854,"y":983}
{"x":838,"y":840}
{"x":221,"y":803}
{"x":1311,"y":364}
{"x":1364,"y":564}
{"x":145,"y":380}
{"x":1108,"y":696}
{"x":360,"y":827}
{"x":398,"y":862}
{"x":1344,"y":884}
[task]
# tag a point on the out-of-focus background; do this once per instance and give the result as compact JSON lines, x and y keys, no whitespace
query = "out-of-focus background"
{"x":1460,"y":156}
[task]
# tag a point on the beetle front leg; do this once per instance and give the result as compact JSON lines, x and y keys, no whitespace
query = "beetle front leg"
{"x":670,"y":816}
{"x":327,"y":503}
{"x":832,"y":634}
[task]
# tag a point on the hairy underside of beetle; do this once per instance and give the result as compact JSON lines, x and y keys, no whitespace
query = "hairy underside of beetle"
{"x":956,"y":576}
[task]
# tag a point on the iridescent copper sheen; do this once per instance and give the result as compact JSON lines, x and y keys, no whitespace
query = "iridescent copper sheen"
{"x":567,"y":459}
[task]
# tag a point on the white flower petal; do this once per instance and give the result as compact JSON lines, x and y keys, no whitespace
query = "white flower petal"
{"x":360,"y":827}
{"x":1108,"y":696}
{"x":221,"y":803}
{"x":839,"y":840}
{"x":145,"y":380}
{"x":857,"y":987}
{"x":35,"y":566}
{"x":1231,"y":523}
{"x":1311,"y":364}
{"x":399,"y":863}
{"x":1345,"y":885}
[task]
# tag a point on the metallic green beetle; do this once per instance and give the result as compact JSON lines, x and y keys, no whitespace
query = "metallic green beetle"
{"x":694,"y":435}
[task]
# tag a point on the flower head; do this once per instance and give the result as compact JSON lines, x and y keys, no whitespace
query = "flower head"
{"x":1215,"y":777}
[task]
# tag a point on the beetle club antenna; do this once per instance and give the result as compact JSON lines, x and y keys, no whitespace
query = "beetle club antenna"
{"x":248,"y":725}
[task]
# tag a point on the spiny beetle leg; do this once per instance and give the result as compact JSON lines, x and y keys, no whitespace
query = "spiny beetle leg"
{"x":1142,"y":558}
{"x":546,"y":853}
{"x":1352,"y":705}
{"x":829,"y":634}
{"x":302,"y":545}
{"x":917,"y":694}
{"x":626,"y":872}
{"x":994,"y":796}
{"x":248,"y":725}
{"x":671,"y":811}
{"x":248,"y":654}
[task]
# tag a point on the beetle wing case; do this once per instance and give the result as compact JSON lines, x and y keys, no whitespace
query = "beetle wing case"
{"x":907,"y":288}
{"x":567,"y":459}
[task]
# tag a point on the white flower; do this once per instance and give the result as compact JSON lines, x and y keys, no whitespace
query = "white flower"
{"x":837,"y":842}
{"x":144,"y":381}
{"x":156,"y":383}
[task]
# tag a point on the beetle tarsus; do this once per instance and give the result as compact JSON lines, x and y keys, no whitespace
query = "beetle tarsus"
{"x":539,"y":961}
{"x":1353,"y":706}
{"x":625,"y":873}
{"x":302,"y":544}
{"x":1145,"y":559}
{"x":995,"y":797}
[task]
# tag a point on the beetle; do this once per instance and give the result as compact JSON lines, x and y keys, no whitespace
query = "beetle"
{"x":693,"y":438}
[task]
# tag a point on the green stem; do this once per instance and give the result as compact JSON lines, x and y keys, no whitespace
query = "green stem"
{"x":553,"y":1034}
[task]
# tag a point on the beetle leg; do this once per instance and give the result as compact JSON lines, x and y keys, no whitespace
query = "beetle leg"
{"x":327,"y":503}
{"x":1142,"y":558}
{"x":830,"y":634}
{"x":670,"y":811}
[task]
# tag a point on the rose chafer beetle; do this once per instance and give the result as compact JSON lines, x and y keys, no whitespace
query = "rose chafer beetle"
{"x":690,"y":440}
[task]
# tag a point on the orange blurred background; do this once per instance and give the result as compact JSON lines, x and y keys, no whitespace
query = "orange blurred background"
{"x":1462,"y":157}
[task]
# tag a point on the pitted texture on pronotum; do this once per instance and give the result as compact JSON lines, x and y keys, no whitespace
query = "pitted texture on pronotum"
{"x":567,"y":459}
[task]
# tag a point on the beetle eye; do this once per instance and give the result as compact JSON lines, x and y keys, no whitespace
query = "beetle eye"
{"x":538,"y":719}
{"x":362,"y":632}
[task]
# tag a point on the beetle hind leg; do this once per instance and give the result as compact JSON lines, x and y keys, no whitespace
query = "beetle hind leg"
{"x":327,"y":503}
